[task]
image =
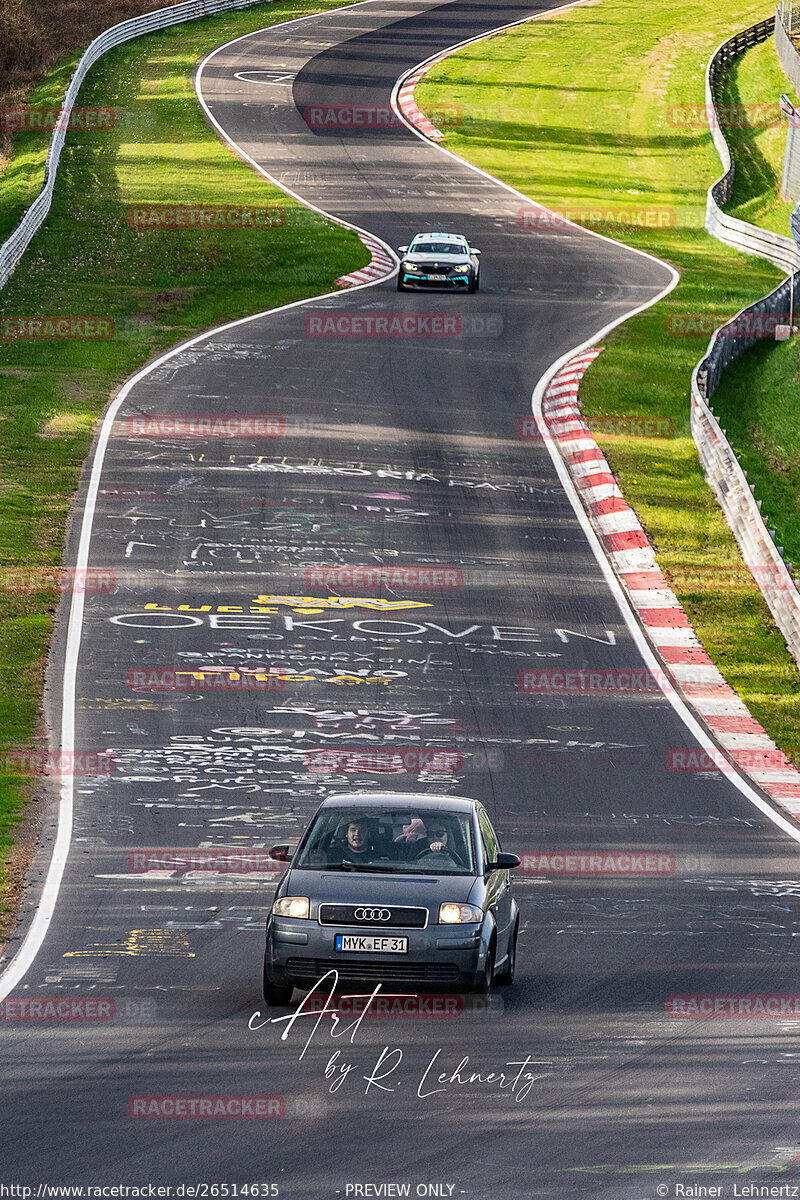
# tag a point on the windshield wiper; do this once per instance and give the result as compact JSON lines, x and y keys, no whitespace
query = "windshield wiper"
{"x":347,"y":866}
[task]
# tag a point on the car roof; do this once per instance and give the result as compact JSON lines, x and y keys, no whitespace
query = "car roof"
{"x":400,"y":800}
{"x":442,"y":237}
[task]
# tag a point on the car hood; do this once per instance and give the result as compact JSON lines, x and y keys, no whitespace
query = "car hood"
{"x":363,"y":887}
{"x":452,"y":259}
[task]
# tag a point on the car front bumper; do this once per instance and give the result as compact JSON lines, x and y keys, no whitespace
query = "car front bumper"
{"x":443,"y":956}
{"x":453,"y":283}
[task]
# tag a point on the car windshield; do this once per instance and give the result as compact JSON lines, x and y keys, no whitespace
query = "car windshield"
{"x":438,"y":248}
{"x":418,"y":840}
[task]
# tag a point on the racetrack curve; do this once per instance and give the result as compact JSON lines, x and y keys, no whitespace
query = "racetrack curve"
{"x":394,"y":451}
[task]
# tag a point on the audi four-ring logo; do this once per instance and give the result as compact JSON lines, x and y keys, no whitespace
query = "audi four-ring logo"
{"x":372,"y":914}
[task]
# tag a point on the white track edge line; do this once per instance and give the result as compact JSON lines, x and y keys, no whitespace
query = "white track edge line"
{"x":25,"y":955}
{"x":679,"y":704}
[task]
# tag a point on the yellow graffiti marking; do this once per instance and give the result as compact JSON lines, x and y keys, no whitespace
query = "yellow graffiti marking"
{"x":301,"y":604}
{"x":315,"y":604}
{"x":140,"y":942}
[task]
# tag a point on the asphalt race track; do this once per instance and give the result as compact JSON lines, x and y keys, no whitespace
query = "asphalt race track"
{"x":394,"y":452}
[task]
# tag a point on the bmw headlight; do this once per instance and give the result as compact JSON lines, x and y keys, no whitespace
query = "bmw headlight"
{"x":409,"y":266}
{"x":462,"y":267}
{"x":460,"y":914}
{"x":291,"y":906}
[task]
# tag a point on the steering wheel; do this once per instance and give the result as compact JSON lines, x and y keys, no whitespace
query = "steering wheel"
{"x":445,"y":857}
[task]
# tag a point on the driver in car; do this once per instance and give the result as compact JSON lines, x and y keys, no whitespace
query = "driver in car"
{"x":436,"y":842}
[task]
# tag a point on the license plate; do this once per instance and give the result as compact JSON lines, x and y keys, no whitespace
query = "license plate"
{"x":359,"y":943}
{"x":436,"y":278}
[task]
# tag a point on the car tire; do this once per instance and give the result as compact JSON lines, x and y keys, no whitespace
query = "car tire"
{"x":472,"y":286}
{"x":484,"y":987}
{"x":506,"y":977}
{"x":477,"y":280}
{"x":400,"y":286}
{"x":276,"y":996}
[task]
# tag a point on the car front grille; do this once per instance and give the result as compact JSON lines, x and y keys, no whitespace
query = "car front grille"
{"x":354,"y":914}
{"x":315,"y":968}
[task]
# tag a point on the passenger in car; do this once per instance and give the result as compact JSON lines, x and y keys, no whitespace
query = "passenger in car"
{"x":358,"y":845}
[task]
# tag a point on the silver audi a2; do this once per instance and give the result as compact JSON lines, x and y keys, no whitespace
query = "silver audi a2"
{"x":393,"y":888}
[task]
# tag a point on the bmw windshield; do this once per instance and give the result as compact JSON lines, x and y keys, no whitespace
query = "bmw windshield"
{"x":419,"y":841}
{"x":437,"y":248}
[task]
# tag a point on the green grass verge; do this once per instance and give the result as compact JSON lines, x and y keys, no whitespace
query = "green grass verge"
{"x":159,"y":287}
{"x":597,"y":108}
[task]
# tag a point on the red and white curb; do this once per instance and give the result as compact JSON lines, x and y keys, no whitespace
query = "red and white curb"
{"x":408,"y":105}
{"x":379,"y":265}
{"x":686,"y":664}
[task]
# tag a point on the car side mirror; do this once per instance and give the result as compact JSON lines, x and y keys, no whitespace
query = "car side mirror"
{"x":402,"y":249}
{"x":504,"y":862}
{"x":281,"y":853}
{"x":472,"y":250}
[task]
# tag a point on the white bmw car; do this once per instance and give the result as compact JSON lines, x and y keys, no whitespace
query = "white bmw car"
{"x":440,"y":262}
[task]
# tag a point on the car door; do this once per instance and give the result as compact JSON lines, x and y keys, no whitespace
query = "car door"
{"x":498,"y":886}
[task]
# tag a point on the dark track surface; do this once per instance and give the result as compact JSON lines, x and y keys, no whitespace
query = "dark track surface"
{"x":408,"y":455}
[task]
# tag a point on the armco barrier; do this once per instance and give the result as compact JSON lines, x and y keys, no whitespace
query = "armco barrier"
{"x":16,"y":244}
{"x":743,"y":236}
{"x":721,"y":466}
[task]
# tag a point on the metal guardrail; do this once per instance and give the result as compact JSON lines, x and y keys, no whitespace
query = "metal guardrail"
{"x":17,"y":243}
{"x":720,"y":464}
{"x":741,"y":235}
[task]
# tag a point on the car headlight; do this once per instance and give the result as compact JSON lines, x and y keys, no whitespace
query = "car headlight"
{"x":291,"y":906}
{"x":462,"y":267}
{"x":409,"y":266}
{"x":459,"y":914}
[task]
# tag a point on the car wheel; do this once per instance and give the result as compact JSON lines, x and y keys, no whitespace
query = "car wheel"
{"x":400,"y":286}
{"x":477,"y":280}
{"x":274,"y":995}
{"x":484,"y":987}
{"x":506,"y":977}
{"x":472,"y":286}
